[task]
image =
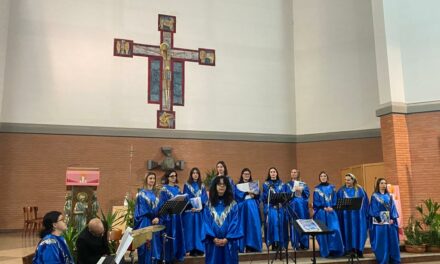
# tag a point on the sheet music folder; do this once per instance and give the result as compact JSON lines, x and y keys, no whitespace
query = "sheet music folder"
{"x":349,"y":203}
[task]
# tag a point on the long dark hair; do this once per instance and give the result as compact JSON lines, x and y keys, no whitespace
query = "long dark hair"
{"x":241,"y":175}
{"x":191,"y":180}
{"x":268,"y":174}
{"x":228,"y":197}
{"x":48,"y":220}
{"x":167,"y":175}
{"x":377,"y":188}
{"x":224,"y":166}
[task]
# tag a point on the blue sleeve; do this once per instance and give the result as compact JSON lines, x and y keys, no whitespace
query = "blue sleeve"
{"x":374,"y":209}
{"x":264,"y":198}
{"x":318,"y":202}
{"x":306,"y":192}
{"x":234,"y":230}
{"x":239,"y":195}
{"x":204,"y":196}
{"x":207,"y":231}
{"x":334,"y":199}
{"x":142,"y":209}
{"x":187,"y":191}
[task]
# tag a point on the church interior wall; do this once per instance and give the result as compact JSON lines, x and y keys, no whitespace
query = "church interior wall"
{"x":336,"y":85}
{"x":4,"y":21}
{"x":63,"y":70}
{"x":33,"y":166}
{"x":413,"y":34}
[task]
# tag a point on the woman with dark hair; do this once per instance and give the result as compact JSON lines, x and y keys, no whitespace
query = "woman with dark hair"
{"x":146,"y":214}
{"x":353,"y":223}
{"x":221,"y":229}
{"x":324,"y":199}
{"x":192,"y":221}
{"x":52,"y":247}
{"x":249,"y":213}
{"x":384,"y":237}
{"x":298,"y":208}
{"x":222,"y":170}
{"x":174,"y":248}
{"x":275,"y":228}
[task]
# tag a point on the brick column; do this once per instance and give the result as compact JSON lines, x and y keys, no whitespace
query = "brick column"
{"x":397,"y":158}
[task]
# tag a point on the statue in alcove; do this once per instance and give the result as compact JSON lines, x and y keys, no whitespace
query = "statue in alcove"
{"x":68,"y":208}
{"x":80,"y":210}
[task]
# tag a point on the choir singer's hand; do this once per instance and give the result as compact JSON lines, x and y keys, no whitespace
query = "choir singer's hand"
{"x":155,"y":221}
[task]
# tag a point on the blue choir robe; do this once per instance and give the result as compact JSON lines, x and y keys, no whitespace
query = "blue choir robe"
{"x":174,"y":248}
{"x":275,"y":228}
{"x":354,"y":223}
{"x":52,"y":250}
{"x":146,"y":209}
{"x":331,"y":244}
{"x":299,"y":209}
{"x":384,"y":238}
{"x":193,"y":221}
{"x":221,"y":221}
{"x":250,"y":222}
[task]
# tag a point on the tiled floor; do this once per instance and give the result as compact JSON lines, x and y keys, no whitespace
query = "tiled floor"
{"x":13,"y":247}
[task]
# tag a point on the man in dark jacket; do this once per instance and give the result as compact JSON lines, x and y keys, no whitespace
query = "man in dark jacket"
{"x":92,"y":243}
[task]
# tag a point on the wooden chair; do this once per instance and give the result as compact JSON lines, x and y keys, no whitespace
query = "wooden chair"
{"x":37,"y":221}
{"x":28,"y":219}
{"x":28,"y":258}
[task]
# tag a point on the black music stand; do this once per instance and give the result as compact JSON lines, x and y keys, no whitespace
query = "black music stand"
{"x":278,"y":200}
{"x":171,"y":207}
{"x":324,"y":231}
{"x":350,"y":204}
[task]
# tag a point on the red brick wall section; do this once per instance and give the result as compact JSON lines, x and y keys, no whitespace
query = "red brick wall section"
{"x":411,"y":150}
{"x":332,"y":156}
{"x":397,"y":160}
{"x":424,"y":140}
{"x":32,"y":167}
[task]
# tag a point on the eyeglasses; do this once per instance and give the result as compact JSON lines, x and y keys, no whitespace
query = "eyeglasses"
{"x":62,"y":219}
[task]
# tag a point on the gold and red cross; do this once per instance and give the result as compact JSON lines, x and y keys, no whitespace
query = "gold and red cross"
{"x":166,"y":68}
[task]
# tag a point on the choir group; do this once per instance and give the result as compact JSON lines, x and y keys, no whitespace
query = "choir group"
{"x":229,"y":221}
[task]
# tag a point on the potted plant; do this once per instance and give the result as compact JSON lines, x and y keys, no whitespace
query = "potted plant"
{"x":414,"y":237}
{"x":111,"y":220}
{"x":210,"y":175}
{"x":431,"y":224}
{"x":71,"y":235}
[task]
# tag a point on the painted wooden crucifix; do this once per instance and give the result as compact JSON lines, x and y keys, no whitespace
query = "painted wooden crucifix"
{"x":166,"y":68}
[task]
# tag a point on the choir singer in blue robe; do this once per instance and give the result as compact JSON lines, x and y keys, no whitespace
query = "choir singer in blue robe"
{"x":324,"y":199}
{"x":275,"y":228}
{"x":384,"y":237}
{"x":146,"y":214}
{"x":249,"y":213}
{"x":298,"y":207}
{"x":353,"y":223}
{"x":193,"y":220}
{"x":174,"y":248}
{"x":52,"y":247}
{"x":221,"y":226}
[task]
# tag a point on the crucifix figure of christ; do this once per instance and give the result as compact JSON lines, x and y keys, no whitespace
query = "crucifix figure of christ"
{"x":166,"y":68}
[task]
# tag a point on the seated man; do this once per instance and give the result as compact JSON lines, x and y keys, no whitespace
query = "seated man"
{"x":92,"y":243}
